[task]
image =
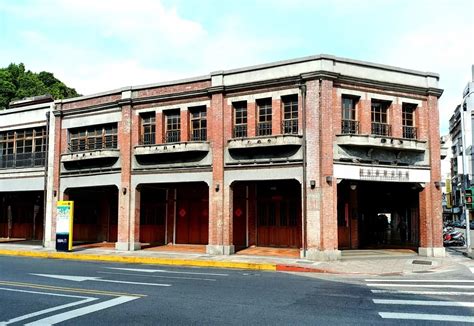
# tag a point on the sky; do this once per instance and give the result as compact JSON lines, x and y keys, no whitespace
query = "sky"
{"x":100,"y":45}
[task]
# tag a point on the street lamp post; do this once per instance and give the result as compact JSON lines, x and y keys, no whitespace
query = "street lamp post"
{"x":465,"y":172}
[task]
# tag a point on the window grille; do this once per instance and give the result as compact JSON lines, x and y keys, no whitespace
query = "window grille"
{"x":23,"y":148}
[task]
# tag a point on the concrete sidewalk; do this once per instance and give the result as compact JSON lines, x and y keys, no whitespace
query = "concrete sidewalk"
{"x":354,"y":262}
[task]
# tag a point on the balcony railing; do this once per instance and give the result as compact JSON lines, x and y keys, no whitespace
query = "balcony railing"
{"x":22,"y":160}
{"x":148,"y":139}
{"x":172,"y":136}
{"x":240,"y":131}
{"x":93,"y":144}
{"x":381,"y":129}
{"x":409,"y":132}
{"x":290,"y":126}
{"x":199,"y":135}
{"x":264,"y":128}
{"x":350,"y":127}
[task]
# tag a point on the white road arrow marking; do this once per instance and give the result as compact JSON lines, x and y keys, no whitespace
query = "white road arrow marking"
{"x":472,"y":269}
{"x":425,"y":303}
{"x":97,"y":279}
{"x":82,"y":311}
{"x":420,"y":281}
{"x":45,"y":311}
{"x":413,"y":316}
{"x":143,"y":270}
{"x":422,"y":292}
{"x":424,"y":285}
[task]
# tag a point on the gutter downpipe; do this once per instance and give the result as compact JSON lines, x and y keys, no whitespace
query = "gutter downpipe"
{"x":302,"y":87}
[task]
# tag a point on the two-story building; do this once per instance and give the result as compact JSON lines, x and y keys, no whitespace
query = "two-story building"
{"x":318,"y":154}
{"x":25,"y":200}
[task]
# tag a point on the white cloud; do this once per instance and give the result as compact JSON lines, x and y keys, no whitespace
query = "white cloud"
{"x":445,"y":48}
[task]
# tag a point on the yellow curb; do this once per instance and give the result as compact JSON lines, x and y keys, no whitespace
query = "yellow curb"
{"x":140,"y":260}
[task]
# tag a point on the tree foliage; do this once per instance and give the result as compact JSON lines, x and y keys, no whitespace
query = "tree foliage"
{"x":16,"y":83}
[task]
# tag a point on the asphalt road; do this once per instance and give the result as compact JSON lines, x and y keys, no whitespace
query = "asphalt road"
{"x":42,"y":291}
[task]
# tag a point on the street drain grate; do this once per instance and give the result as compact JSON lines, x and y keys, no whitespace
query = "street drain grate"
{"x":422,"y":262}
{"x":423,"y":272}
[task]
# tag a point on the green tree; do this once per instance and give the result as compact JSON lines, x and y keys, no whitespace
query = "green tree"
{"x":16,"y":83}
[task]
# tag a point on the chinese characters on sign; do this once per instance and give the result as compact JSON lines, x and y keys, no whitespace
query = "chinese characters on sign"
{"x":383,"y":175}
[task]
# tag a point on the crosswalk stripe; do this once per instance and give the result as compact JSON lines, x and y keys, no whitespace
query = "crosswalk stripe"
{"x":435,"y":317}
{"x":424,"y":285}
{"x":422,"y":292}
{"x":425,"y":303}
{"x":421,"y":281}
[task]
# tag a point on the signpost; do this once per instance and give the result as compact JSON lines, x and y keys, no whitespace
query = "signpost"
{"x":64,"y":223}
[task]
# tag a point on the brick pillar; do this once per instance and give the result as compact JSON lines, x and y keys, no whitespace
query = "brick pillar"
{"x":276,"y":118}
{"x":431,"y":242}
{"x":184,"y":125}
{"x":128,"y":234}
{"x":220,"y":226}
{"x":337,"y":111}
{"x":251,"y":119}
{"x":395,"y":119}
{"x":321,"y":203}
{"x":365,"y":117}
{"x":159,"y":123}
{"x":329,"y":240}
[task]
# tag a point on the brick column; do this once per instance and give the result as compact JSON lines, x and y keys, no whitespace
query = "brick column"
{"x":365,"y":125}
{"x":184,"y":125}
{"x":276,"y":117}
{"x":329,"y":240}
{"x":128,"y":234}
{"x":431,"y":219}
{"x":220,"y":229}
{"x":337,"y":111}
{"x":159,"y":123}
{"x":321,"y":230}
{"x":251,"y":119}
{"x":395,"y":119}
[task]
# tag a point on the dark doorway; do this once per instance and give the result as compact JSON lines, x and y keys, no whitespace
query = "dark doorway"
{"x":153,"y":212}
{"x":21,"y":215}
{"x":278,"y":208}
{"x":378,"y":214}
{"x":192,"y":213}
{"x":95,"y":214}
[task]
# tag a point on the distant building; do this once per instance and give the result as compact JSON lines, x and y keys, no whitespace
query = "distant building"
{"x":315,"y":154}
{"x":456,"y":133}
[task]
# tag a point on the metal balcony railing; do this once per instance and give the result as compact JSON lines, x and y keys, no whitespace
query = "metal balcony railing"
{"x":264,"y":128}
{"x":199,"y":135}
{"x":290,"y":126}
{"x":22,"y":160}
{"x":350,"y":127}
{"x":409,"y":132}
{"x":93,"y":144}
{"x":381,"y":129}
{"x":172,"y":136}
{"x":240,"y":131}
{"x":148,"y":139}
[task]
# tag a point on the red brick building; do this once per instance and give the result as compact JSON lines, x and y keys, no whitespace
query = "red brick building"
{"x":319,"y":153}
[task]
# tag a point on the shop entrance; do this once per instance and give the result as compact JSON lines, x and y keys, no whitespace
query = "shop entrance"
{"x":267,"y":214}
{"x":378,"y":215}
{"x":21,"y":215}
{"x":192,"y":214}
{"x":95,"y":213}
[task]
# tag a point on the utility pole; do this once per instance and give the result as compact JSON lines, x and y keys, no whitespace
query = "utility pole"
{"x":465,"y":172}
